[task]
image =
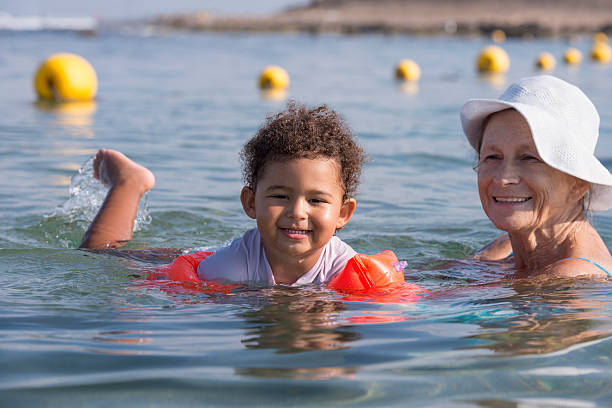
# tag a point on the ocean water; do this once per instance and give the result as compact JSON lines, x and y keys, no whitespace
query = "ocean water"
{"x":85,"y":329}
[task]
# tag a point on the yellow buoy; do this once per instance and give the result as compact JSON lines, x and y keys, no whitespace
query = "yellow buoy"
{"x":600,"y":37}
{"x":493,"y":58}
{"x":498,"y":36}
{"x":408,"y":70}
{"x":66,"y":77}
{"x":572,"y":56}
{"x":601,"y":52}
{"x":274,"y":77}
{"x":546,"y":61}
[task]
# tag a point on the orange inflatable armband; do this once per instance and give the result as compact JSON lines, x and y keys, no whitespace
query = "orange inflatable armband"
{"x":376,"y":278}
{"x":182,"y":269}
{"x":364,"y":272}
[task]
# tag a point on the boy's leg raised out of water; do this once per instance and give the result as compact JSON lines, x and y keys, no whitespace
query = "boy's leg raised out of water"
{"x":128,"y":181}
{"x":301,"y":170}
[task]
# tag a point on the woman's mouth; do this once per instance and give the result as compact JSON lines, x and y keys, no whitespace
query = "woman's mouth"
{"x":511,"y":200}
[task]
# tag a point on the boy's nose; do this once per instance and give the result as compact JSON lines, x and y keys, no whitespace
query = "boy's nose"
{"x":297,"y":209}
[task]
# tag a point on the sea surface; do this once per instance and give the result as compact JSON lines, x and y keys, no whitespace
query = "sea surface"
{"x":85,"y":329}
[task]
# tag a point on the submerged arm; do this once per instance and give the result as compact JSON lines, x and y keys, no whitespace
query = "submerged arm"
{"x":150,"y":255}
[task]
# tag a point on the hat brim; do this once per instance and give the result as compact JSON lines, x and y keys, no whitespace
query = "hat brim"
{"x":563,"y":154}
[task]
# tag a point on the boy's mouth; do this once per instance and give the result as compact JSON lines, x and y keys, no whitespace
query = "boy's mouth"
{"x":295,"y":233}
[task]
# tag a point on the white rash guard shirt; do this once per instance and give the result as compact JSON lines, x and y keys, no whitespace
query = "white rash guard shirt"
{"x":244,"y":260}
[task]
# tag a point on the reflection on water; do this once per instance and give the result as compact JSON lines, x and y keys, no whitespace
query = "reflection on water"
{"x":129,"y":338}
{"x":409,"y":87}
{"x":297,"y":320}
{"x":77,"y":117}
{"x":497,"y":80}
{"x":273,"y":94}
{"x":548,"y":317}
{"x":124,"y":337}
{"x":305,"y":373}
{"x":535,"y":403}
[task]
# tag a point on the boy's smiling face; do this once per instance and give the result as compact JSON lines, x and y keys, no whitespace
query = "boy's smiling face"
{"x":298,"y":205}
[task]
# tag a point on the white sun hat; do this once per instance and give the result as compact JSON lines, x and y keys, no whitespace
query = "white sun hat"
{"x":564,"y":125}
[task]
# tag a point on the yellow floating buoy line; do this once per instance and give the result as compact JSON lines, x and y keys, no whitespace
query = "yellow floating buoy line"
{"x":493,"y":59}
{"x":66,"y":77}
{"x":273,"y":77}
{"x":407,"y":70}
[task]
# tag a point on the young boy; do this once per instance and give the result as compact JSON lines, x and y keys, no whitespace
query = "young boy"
{"x":301,"y":171}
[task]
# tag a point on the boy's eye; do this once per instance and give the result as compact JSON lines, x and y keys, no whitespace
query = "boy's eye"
{"x":317,"y":200}
{"x":279,"y":196}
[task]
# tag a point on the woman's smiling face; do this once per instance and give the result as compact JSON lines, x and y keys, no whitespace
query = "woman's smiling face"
{"x":518,"y":190}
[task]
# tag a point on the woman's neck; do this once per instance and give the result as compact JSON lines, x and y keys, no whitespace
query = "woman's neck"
{"x":535,"y":250}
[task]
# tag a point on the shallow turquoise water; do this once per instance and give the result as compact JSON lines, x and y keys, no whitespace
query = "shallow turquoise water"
{"x":83,"y":329}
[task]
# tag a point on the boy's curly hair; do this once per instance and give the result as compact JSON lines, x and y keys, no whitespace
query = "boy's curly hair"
{"x":299,"y":132}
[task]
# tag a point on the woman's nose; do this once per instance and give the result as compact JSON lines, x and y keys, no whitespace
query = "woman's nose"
{"x":507,"y":173}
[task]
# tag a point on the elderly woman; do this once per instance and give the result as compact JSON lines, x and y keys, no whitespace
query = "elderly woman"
{"x":538,"y":177}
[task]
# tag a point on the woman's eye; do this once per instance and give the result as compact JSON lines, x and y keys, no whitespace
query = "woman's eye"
{"x":530,"y":158}
{"x":490,"y":157}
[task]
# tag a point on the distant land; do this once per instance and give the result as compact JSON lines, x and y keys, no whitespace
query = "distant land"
{"x":517,"y":18}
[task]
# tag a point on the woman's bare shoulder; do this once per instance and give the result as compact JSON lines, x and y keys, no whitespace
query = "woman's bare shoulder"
{"x":578,"y":266}
{"x":497,"y":250}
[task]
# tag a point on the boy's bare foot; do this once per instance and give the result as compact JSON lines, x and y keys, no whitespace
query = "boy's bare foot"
{"x":113,"y":168}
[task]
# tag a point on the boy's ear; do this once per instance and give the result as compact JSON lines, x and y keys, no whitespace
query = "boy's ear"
{"x":346,"y":212}
{"x":247,"y":197}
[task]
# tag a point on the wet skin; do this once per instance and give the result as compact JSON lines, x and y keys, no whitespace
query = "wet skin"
{"x":518,"y":190}
{"x":540,"y":207}
{"x":298,"y":205}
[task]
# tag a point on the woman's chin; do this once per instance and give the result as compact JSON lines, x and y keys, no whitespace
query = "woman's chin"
{"x":510,"y":226}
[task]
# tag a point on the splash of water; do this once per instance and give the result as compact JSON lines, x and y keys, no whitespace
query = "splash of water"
{"x":86,"y":197}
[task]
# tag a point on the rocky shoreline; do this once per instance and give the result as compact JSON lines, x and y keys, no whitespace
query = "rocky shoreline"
{"x":517,"y":18}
